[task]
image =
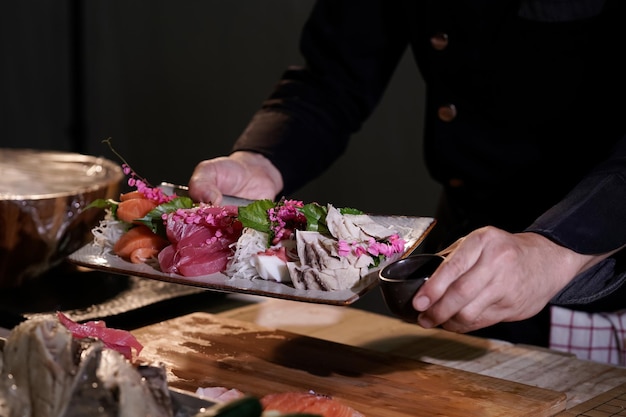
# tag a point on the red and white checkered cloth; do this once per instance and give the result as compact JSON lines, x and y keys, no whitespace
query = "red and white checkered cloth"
{"x":594,"y":336}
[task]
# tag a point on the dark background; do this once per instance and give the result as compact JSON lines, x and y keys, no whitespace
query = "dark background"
{"x":175,"y":82}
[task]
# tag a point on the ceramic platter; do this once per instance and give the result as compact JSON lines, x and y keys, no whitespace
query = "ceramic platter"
{"x":412,"y":229}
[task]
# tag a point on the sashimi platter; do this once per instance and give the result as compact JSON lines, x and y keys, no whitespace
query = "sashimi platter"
{"x":284,"y":249}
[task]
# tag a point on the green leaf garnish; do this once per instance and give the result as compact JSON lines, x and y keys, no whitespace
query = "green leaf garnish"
{"x":102,"y":203}
{"x":349,"y":210}
{"x":254,"y":215}
{"x":315,"y":217}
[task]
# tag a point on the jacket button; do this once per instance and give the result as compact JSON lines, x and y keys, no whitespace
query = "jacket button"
{"x":447,"y":113}
{"x":455,"y":182}
{"x":439,"y":41}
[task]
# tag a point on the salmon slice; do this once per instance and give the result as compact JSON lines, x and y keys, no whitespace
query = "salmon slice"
{"x":142,"y":255}
{"x":306,"y":402}
{"x":131,"y":195}
{"x":134,"y":208}
{"x":139,"y":237}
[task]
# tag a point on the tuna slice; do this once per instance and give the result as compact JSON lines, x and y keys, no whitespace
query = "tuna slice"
{"x":194,"y":261}
{"x":202,"y":246}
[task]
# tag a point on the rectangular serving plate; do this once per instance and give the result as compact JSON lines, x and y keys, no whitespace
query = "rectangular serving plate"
{"x":413,"y":229}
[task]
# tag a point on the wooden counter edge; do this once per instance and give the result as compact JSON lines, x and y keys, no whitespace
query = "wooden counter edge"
{"x":598,"y":401}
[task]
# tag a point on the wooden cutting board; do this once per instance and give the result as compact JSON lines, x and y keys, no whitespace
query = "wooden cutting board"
{"x":203,"y":350}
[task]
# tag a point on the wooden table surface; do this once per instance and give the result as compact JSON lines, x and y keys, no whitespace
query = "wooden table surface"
{"x":206,"y":350}
{"x":590,"y":387}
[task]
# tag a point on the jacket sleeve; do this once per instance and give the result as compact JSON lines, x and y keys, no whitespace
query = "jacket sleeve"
{"x":351,"y":48}
{"x":592,"y":220}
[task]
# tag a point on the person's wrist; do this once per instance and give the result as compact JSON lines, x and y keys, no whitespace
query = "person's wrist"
{"x":568,"y":259}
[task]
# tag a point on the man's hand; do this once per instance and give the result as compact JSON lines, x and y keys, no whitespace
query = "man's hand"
{"x":491,"y":276}
{"x":242,"y":174}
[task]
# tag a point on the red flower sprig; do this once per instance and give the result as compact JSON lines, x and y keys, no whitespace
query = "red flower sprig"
{"x":139,"y":183}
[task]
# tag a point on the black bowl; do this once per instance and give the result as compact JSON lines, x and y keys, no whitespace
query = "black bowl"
{"x":400,"y":280}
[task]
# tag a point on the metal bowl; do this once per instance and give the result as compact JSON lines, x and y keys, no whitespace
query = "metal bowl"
{"x":43,"y":196}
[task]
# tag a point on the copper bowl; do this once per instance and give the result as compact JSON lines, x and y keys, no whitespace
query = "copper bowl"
{"x":43,"y":196}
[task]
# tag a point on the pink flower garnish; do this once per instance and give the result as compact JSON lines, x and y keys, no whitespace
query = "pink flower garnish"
{"x":392,"y":245}
{"x":343,"y":248}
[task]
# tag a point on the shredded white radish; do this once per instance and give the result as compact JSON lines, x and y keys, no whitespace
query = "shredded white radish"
{"x":108,"y":231}
{"x":250,"y":243}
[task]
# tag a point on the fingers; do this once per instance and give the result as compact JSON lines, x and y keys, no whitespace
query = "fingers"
{"x":458,"y":261}
{"x":241,"y":174}
{"x":452,"y":291}
{"x":481,"y":309}
{"x":203,"y":184}
{"x":450,"y":248}
{"x":205,"y":193}
{"x":475,"y":286}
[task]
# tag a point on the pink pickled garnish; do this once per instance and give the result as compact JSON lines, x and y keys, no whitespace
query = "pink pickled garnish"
{"x":204,"y":214}
{"x":285,"y":218}
{"x":121,"y":341}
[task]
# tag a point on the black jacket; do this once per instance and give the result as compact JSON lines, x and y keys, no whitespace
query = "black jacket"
{"x":526,"y":110}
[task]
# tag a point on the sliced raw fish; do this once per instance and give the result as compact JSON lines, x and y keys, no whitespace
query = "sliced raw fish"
{"x":307,"y":402}
{"x":197,"y":261}
{"x":320,"y":267}
{"x":201,"y":240}
{"x":221,"y":394}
